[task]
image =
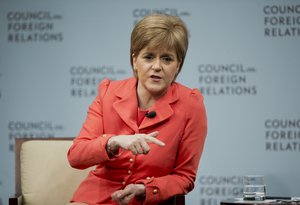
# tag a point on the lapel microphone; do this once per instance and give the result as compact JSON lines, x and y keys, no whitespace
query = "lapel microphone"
{"x":151,"y":114}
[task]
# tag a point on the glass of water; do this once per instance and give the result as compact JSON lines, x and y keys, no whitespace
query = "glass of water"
{"x":254,"y":187}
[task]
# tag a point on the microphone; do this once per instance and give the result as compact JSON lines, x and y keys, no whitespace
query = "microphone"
{"x":151,"y":114}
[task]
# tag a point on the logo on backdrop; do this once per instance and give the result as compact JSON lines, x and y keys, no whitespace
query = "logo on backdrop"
{"x":282,"y":135}
{"x":33,"y":26}
{"x":84,"y":80}
{"x":31,"y":129}
{"x":281,"y":20}
{"x":226,"y":79}
{"x":139,"y":13}
{"x":215,"y":188}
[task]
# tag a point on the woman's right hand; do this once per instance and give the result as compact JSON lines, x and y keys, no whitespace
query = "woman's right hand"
{"x":137,"y":144}
{"x":124,"y":196}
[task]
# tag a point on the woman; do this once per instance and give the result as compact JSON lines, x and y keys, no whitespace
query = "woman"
{"x":145,"y":134}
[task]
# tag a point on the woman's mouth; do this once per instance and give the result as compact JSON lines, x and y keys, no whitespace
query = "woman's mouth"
{"x":155,"y":77}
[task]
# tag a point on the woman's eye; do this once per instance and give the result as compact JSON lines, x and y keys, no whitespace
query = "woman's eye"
{"x":167,"y":59}
{"x":148,"y":57}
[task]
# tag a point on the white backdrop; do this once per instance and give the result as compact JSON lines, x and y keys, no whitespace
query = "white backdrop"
{"x":244,"y":56}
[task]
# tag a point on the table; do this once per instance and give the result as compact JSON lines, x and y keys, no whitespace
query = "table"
{"x":273,"y":201}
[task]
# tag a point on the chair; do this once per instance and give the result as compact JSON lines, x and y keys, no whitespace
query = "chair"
{"x":43,"y":174}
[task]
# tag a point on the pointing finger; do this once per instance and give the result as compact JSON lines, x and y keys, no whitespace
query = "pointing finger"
{"x":153,"y":134}
{"x":150,"y":139}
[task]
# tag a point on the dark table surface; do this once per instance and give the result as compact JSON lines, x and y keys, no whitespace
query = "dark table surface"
{"x":273,"y":201}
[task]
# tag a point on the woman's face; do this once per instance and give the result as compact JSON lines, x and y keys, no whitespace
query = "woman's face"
{"x":156,"y":70}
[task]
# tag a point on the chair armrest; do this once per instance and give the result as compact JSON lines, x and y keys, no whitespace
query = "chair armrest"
{"x":16,"y":200}
{"x":175,"y":200}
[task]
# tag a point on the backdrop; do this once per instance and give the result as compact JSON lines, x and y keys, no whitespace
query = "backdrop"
{"x":244,"y":56}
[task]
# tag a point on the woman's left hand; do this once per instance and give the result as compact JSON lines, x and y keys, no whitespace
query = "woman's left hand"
{"x":123,"y":197}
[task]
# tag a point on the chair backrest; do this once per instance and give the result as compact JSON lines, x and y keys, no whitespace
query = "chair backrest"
{"x":45,"y":176}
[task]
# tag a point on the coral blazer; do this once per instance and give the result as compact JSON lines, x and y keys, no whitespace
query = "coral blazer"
{"x":165,"y":171}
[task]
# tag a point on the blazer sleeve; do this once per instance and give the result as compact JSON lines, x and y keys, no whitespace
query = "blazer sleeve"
{"x":89,"y":147}
{"x":181,"y":180}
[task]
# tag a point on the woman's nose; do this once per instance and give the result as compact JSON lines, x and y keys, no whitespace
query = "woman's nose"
{"x":156,"y":64}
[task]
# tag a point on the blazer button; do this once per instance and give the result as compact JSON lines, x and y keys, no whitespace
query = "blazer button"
{"x":129,"y":172}
{"x":130,"y":160}
{"x":148,"y":178}
{"x":123,"y":182}
{"x":155,"y":191}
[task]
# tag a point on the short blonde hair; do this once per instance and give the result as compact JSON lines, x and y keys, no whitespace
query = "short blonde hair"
{"x":160,"y":31}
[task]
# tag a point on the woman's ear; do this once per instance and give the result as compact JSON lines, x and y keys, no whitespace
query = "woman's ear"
{"x":178,"y":66}
{"x":134,"y":65}
{"x":134,"y":61}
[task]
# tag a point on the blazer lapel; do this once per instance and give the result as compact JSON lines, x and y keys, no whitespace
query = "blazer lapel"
{"x":162,"y":108}
{"x":127,"y":105}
